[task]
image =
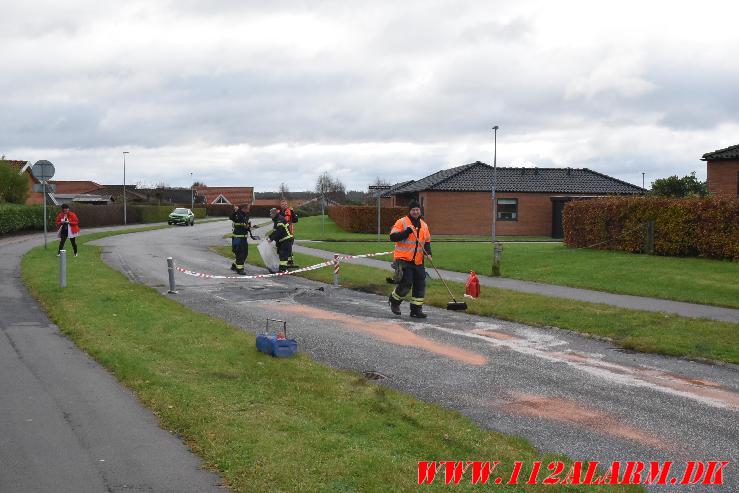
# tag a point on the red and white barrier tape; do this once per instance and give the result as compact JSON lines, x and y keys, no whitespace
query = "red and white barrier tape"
{"x":277,"y":274}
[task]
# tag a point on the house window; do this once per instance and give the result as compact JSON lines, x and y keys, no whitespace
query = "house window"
{"x":507,"y":209}
{"x":221,"y":200}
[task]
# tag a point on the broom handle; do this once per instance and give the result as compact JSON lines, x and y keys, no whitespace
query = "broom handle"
{"x":437,"y":273}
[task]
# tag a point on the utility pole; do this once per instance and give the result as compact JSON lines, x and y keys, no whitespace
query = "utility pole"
{"x":496,"y":249}
{"x":124,"y":187}
{"x":192,"y":193}
{"x":642,"y":179}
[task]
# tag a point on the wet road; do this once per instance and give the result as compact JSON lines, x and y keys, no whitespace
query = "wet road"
{"x":563,"y":392}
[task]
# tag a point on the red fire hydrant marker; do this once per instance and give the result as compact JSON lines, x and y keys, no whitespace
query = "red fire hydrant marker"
{"x":472,"y":287}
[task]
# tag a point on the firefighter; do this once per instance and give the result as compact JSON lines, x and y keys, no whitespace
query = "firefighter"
{"x":412,"y":242}
{"x":241,"y":228}
{"x":282,"y":237}
{"x":291,"y":218}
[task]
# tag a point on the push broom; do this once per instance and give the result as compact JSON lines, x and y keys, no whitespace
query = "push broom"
{"x":453,"y":305}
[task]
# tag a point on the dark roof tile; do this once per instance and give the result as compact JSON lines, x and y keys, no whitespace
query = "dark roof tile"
{"x":728,"y":153}
{"x":478,"y":177}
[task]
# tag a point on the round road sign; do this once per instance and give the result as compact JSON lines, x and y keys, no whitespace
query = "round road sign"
{"x":43,"y":170}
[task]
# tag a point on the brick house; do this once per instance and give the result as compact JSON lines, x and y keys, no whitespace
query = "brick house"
{"x":723,"y":170}
{"x":530,"y":200}
{"x":226,"y":195}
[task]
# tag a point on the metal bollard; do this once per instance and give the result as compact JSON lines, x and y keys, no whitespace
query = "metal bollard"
{"x":336,"y":270}
{"x":63,"y":268}
{"x":170,"y":268}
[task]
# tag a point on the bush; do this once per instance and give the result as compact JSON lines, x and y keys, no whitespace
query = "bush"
{"x":30,"y":217}
{"x":705,"y":227}
{"x":363,"y":219}
{"x":14,"y":217}
{"x":13,"y":186}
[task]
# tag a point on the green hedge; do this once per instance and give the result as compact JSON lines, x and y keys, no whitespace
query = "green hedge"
{"x":15,"y":217}
{"x":30,"y":217}
{"x":706,"y":227}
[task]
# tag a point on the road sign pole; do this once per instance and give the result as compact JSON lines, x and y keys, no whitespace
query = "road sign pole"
{"x":46,"y":219}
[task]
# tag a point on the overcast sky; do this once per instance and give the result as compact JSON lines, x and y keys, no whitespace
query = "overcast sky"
{"x":261,"y":92}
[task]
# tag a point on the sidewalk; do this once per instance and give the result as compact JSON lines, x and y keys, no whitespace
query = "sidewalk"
{"x":621,"y":300}
{"x":66,"y":424}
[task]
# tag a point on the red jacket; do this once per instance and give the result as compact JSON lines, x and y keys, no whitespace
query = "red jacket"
{"x":74,"y":223}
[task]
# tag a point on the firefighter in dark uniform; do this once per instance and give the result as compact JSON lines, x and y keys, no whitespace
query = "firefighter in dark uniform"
{"x":290,"y":218}
{"x":282,"y":237}
{"x":412,"y":243}
{"x":241,"y":228}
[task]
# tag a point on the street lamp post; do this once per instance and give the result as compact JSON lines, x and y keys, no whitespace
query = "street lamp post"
{"x":642,"y":179}
{"x":496,"y":249}
{"x":124,"y":187}
{"x":192,"y":193}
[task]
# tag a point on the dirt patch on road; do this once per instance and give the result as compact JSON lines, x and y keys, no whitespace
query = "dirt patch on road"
{"x":388,"y":331}
{"x":569,"y":411}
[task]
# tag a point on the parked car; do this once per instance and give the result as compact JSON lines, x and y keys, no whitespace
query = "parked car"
{"x":181,"y":216}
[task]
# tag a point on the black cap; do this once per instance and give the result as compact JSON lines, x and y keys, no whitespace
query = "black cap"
{"x":413,"y":204}
{"x":65,"y":206}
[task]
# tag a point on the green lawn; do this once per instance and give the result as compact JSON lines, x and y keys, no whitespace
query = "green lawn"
{"x":632,"y":329}
{"x":696,"y":280}
{"x":265,"y":424}
{"x":310,"y":228}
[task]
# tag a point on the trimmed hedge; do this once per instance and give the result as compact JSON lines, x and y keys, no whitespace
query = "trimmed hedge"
{"x":30,"y":217}
{"x":706,"y":227}
{"x":363,"y":219}
{"x":14,"y":217}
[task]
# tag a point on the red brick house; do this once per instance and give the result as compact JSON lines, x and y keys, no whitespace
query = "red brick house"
{"x":226,"y":195}
{"x":723,"y":170}
{"x":530,"y":200}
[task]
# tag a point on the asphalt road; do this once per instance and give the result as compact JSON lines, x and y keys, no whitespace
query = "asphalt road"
{"x":563,"y":392}
{"x":66,"y":425}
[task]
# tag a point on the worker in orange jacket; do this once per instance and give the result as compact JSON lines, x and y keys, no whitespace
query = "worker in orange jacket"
{"x":412,"y":242}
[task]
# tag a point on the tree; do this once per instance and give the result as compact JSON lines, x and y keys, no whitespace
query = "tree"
{"x":284,"y":191}
{"x":198,"y":184}
{"x":381,"y":182}
{"x":329,"y":188}
{"x":687,"y":186}
{"x":13,"y":186}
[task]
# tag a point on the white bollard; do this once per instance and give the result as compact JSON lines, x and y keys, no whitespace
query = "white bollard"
{"x":63,"y":268}
{"x":170,"y":268}
{"x":336,"y":270}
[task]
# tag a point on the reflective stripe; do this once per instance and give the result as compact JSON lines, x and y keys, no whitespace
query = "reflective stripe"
{"x":417,"y":301}
{"x":395,"y":296}
{"x":283,"y":262}
{"x":240,"y":224}
{"x":239,"y":266}
{"x":238,"y":236}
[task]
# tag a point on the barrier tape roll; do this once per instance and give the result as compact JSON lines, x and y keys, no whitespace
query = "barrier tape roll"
{"x":278,"y":274}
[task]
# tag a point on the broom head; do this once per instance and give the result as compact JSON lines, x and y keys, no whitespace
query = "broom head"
{"x":456,"y":306}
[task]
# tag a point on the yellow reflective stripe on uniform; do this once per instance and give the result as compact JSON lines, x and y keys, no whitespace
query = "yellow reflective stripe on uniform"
{"x":406,"y":249}
{"x":416,"y":301}
{"x":395,"y":296}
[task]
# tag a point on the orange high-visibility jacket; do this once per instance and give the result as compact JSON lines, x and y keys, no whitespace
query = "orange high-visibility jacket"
{"x":410,"y":249}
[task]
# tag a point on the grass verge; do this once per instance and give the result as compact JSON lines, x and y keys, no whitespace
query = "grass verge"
{"x":695,"y":280}
{"x":265,"y":424}
{"x":643,"y":331}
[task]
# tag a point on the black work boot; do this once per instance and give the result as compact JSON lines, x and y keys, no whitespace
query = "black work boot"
{"x":417,"y":311}
{"x":241,"y":272}
{"x":283,"y":268}
{"x":233,"y":267}
{"x":394,"y":305}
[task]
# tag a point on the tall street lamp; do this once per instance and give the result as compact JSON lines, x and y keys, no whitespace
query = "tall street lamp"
{"x":192,"y":193}
{"x":124,"y":187}
{"x":496,"y":250}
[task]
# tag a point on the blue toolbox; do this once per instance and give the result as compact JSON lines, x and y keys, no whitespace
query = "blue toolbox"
{"x":277,"y":345}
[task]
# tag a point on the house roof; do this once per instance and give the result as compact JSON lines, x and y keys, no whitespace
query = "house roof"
{"x":389,"y":191}
{"x":721,"y":154}
{"x":117,"y":191}
{"x":478,"y":177}
{"x":235,"y":195}
{"x":74,"y":187}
